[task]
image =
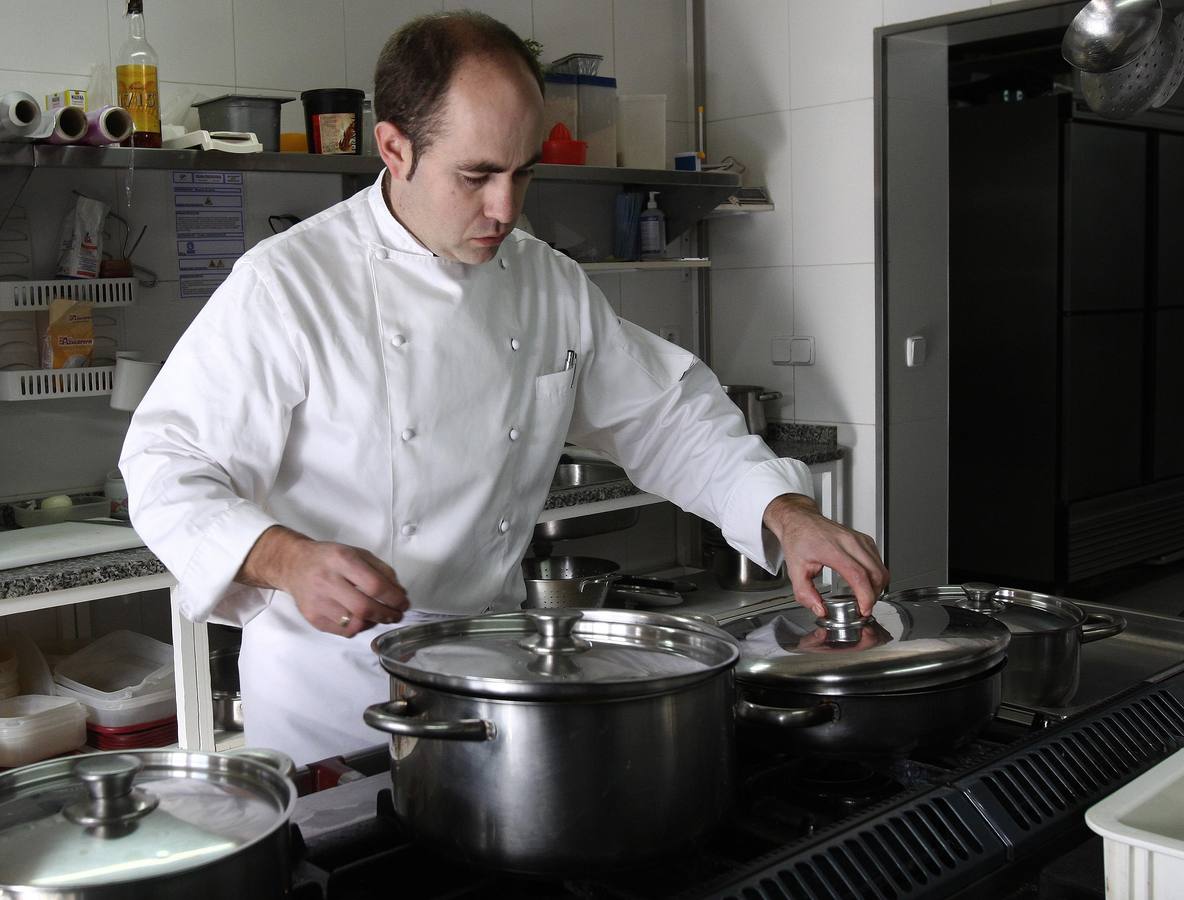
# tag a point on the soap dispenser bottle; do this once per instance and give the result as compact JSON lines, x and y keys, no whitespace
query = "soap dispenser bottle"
{"x":653,"y":230}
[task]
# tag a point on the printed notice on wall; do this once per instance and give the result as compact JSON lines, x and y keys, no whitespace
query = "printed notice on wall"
{"x":210,"y":213}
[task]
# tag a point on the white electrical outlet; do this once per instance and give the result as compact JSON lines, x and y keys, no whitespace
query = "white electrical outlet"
{"x":671,"y":333}
{"x":792,"y":350}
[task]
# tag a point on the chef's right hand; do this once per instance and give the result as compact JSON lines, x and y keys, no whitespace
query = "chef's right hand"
{"x":339,"y":589}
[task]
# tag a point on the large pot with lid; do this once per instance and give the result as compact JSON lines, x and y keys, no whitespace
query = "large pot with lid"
{"x":1044,"y":658}
{"x":145,"y":824}
{"x":559,"y":741}
{"x":913,"y":675}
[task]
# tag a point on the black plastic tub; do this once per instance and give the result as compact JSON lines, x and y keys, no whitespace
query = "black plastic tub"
{"x":333,"y":120}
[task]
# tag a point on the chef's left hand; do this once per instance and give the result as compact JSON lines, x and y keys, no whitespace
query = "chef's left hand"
{"x":812,"y":541}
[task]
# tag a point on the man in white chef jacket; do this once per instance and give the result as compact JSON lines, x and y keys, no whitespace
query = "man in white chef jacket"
{"x":360,"y":427}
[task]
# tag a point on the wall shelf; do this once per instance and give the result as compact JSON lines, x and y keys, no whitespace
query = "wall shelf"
{"x":28,"y":296}
{"x":644,"y":265}
{"x":56,"y":384}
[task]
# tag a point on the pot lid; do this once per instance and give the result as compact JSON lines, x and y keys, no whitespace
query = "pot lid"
{"x":902,"y":646}
{"x":557,"y":653}
{"x":1023,"y":612}
{"x":117,"y":818}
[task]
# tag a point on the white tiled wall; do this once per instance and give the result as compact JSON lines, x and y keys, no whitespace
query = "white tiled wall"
{"x":790,"y":94}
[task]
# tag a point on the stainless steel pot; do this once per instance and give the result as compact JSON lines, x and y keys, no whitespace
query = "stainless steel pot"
{"x":910,"y":676}
{"x":584,"y":582}
{"x":1044,"y":657}
{"x":751,"y":398}
{"x":732,"y":569}
{"x":145,"y":824}
{"x":559,"y":741}
{"x":225,"y":691}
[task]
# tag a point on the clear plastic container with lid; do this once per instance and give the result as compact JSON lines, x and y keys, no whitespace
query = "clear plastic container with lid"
{"x":34,"y":727}
{"x":123,"y":678}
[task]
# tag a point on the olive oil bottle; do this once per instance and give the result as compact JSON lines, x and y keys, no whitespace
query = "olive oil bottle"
{"x":135,"y":77}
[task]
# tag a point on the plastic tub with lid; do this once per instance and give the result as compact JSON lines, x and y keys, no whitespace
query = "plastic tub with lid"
{"x":119,"y":665}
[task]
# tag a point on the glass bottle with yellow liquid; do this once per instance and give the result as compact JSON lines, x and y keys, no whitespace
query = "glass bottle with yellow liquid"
{"x":135,"y":78}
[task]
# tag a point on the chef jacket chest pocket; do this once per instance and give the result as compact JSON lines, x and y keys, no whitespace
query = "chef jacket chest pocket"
{"x":555,"y":388}
{"x":554,"y":399}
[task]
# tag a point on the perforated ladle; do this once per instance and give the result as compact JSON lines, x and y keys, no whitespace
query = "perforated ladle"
{"x":1109,"y":34}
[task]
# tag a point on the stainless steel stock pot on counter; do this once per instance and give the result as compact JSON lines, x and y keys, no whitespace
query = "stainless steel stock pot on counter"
{"x":559,"y":740}
{"x":1044,"y":657}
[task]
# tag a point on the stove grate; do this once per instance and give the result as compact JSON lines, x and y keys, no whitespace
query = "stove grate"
{"x":958,"y":834}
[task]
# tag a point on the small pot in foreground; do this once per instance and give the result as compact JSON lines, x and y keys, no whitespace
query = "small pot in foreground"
{"x":910,"y":676}
{"x":559,"y":742}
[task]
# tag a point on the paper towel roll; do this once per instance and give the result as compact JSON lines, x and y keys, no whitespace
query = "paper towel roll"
{"x":133,"y":377}
{"x":20,"y":116}
{"x":109,"y":125}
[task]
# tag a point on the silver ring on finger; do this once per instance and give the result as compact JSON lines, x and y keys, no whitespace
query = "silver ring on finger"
{"x":344,"y":621}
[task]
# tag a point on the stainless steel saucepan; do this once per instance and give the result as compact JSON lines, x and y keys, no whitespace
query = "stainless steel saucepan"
{"x":585,"y":582}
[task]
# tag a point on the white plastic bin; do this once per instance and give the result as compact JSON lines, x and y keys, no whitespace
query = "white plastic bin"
{"x":1142,"y":825}
{"x":35,"y":727}
{"x":596,"y":113}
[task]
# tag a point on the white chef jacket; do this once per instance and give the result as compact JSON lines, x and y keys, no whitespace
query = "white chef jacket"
{"x":347,"y":383}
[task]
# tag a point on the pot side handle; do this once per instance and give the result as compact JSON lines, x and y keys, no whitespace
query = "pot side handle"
{"x":1101,"y":625}
{"x":393,"y":718}
{"x":756,"y":714}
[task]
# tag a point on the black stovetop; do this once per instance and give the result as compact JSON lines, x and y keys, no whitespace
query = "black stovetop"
{"x":784,"y":801}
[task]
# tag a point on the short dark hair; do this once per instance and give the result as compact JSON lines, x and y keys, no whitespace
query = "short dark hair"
{"x":417,"y":63}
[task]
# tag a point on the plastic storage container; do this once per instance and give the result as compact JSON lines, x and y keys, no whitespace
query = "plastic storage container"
{"x":238,"y":112}
{"x":122,"y":679}
{"x":333,"y":120}
{"x":35,"y":727}
{"x":641,"y":131}
{"x":1142,"y":826}
{"x":596,"y":116}
{"x":587,"y":105}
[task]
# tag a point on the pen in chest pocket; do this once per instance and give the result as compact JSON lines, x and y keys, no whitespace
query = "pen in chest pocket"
{"x":569,"y":364}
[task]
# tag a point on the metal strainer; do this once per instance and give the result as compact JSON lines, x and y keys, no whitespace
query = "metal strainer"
{"x":580,"y":582}
{"x":1149,"y":81}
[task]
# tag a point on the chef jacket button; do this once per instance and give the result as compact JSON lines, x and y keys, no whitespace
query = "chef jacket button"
{"x":513,"y":434}
{"x":503,"y":526}
{"x":398,"y":340}
{"x":408,"y":434}
{"x":514,"y":345}
{"x":408,"y":530}
{"x":381,"y":254}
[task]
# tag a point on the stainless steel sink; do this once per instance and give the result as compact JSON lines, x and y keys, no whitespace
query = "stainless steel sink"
{"x":585,"y":474}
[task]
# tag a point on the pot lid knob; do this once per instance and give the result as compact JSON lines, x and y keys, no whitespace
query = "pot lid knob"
{"x":555,"y":632}
{"x":113,"y":800}
{"x":980,"y":597}
{"x":842,"y":621}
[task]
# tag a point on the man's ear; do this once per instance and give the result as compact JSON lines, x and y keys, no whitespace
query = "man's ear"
{"x":394,"y":148}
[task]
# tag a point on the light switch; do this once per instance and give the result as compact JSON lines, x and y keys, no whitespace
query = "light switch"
{"x":914,"y":351}
{"x":792,"y":351}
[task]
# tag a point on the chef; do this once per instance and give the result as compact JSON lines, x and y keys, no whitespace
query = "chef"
{"x":360,"y":427}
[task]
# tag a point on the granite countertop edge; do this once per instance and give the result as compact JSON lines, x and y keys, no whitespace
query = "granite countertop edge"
{"x":811,"y":444}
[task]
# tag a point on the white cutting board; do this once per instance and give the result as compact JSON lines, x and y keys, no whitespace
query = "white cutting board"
{"x":65,"y":540}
